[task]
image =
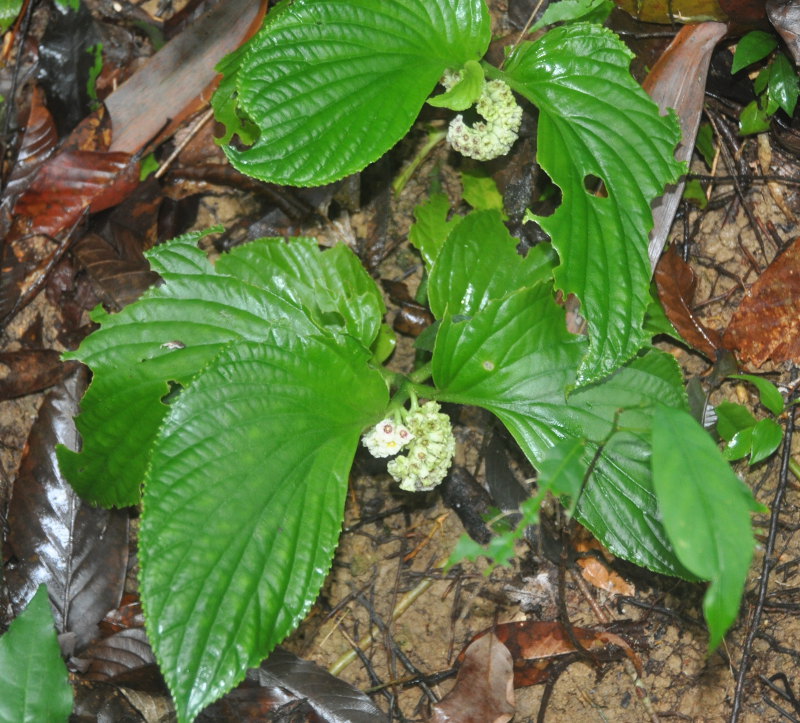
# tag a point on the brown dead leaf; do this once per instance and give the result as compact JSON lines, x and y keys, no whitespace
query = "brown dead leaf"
{"x":676,"y":284}
{"x":536,"y":645}
{"x":678,"y":80}
{"x":767,"y":323}
{"x":484,"y":689}
{"x":27,"y":371}
{"x":597,"y":573}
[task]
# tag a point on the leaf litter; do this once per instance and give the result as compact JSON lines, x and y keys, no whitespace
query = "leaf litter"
{"x":393,"y":546}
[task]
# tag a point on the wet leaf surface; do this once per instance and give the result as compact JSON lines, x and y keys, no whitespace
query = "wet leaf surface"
{"x":767,"y":323}
{"x":80,"y":552}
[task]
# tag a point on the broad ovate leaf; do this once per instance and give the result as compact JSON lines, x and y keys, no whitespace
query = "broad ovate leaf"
{"x":243,"y":504}
{"x":332,"y":287}
{"x":516,"y":359}
{"x":706,"y":513}
{"x":160,"y":341}
{"x":596,"y":124}
{"x":479,"y":262}
{"x":334,"y":84}
{"x":34,"y":684}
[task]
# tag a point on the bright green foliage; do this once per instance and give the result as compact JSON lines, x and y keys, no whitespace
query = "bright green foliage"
{"x":705,"y":143}
{"x":465,"y":92}
{"x":432,"y":226}
{"x":479,"y":262}
{"x":334,"y":84}
{"x":596,"y":122}
{"x":480,"y":191}
{"x":514,"y":357}
{"x":706,"y":510}
{"x":9,"y":9}
{"x":243,"y":505}
{"x":246,"y":470}
{"x":567,"y":11}
{"x":751,"y":48}
{"x":767,"y":392}
{"x":34,"y":685}
{"x":783,"y":87}
{"x":776,"y":86}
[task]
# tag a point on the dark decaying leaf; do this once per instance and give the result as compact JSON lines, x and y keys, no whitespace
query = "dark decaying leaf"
{"x":484,"y":689}
{"x":676,"y":284}
{"x":79,"y":551}
{"x":28,"y":371}
{"x":412,"y":317}
{"x":507,"y":493}
{"x":302,"y":688}
{"x":119,"y":277}
{"x":536,"y":645}
{"x":119,"y":653}
{"x":785,"y":18}
{"x":767,"y":323}
{"x":65,"y":61}
{"x":472,"y":503}
{"x":38,"y":141}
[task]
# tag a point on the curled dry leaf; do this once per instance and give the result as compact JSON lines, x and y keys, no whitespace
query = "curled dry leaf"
{"x":484,"y":689}
{"x":536,"y":645}
{"x":676,"y":284}
{"x":767,"y":323}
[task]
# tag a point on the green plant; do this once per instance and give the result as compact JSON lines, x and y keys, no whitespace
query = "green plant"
{"x":776,"y":85}
{"x":234,"y":395}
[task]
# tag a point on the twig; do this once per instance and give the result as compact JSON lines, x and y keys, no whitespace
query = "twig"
{"x":193,"y":130}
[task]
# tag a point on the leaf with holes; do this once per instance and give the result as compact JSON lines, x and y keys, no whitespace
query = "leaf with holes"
{"x":334,"y":84}
{"x":256,"y":454}
{"x":595,"y":122}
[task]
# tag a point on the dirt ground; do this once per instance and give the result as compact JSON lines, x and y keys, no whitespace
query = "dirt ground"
{"x":388,"y":572}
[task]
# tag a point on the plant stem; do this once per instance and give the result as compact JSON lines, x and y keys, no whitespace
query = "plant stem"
{"x":434,"y":138}
{"x":794,"y":467}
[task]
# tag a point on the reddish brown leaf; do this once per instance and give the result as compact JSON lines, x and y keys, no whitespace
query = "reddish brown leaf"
{"x":676,"y":284}
{"x":79,"y":552}
{"x":767,"y":323}
{"x":37,"y":144}
{"x":484,"y":689}
{"x":536,"y":645}
{"x":70,"y":184}
{"x":26,"y":372}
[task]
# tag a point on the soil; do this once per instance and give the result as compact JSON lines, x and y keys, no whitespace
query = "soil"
{"x":394,"y":545}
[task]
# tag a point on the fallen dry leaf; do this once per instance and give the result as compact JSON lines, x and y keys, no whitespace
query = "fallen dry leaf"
{"x":597,"y":573}
{"x":484,"y":689}
{"x":676,"y":284}
{"x":767,"y":323}
{"x":535,"y":645}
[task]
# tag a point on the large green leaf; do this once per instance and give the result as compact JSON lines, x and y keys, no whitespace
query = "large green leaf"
{"x":263,"y":289}
{"x":479,"y":262}
{"x":171,"y":333}
{"x":706,"y":513}
{"x":334,"y":84}
{"x":34,"y":684}
{"x":243,"y":504}
{"x":516,"y":359}
{"x":595,"y":122}
{"x":333,"y":287}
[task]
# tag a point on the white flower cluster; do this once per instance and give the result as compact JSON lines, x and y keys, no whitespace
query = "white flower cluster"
{"x":386,"y":438}
{"x":430,"y":442}
{"x":493,"y":136}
